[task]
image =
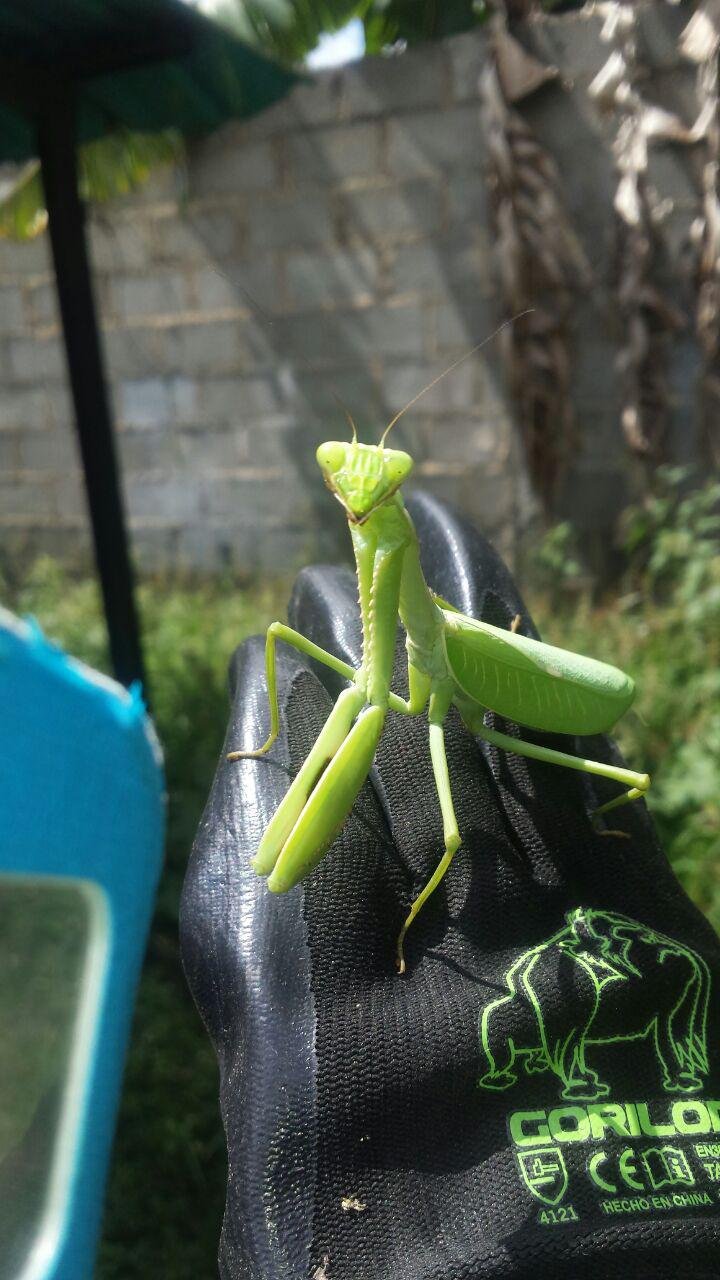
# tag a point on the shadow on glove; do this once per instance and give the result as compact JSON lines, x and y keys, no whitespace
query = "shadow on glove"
{"x":536,"y":1096}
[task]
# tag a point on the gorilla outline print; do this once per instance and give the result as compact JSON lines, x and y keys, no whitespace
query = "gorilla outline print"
{"x":601,"y":961}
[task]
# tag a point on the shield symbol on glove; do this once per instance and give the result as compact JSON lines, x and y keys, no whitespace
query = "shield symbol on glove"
{"x":544,"y":1173}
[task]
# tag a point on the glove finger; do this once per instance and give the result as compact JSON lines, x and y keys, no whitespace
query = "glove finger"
{"x":248,"y":964}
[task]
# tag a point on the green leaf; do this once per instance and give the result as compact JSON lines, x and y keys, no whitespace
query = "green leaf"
{"x":287,"y":29}
{"x":113,"y":166}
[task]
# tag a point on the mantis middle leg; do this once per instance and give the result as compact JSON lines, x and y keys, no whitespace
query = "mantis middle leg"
{"x":439,"y":706}
{"x":419,"y":684}
{"x":279,"y":631}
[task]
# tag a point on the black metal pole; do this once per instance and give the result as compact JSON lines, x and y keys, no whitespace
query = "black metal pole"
{"x":57,"y":146}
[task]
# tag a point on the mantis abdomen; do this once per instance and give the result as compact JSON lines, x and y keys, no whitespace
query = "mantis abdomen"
{"x":535,"y":684}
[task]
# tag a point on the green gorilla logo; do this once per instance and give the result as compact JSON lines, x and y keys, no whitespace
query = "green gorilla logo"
{"x":602,"y":979}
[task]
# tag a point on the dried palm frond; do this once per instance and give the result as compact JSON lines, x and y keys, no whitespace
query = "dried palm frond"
{"x":700,"y":41}
{"x":538,"y":260}
{"x":649,"y":318}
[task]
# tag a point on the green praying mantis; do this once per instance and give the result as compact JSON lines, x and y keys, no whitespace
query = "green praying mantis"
{"x":453,"y":660}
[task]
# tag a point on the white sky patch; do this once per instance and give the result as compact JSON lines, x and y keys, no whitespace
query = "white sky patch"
{"x":346,"y":45}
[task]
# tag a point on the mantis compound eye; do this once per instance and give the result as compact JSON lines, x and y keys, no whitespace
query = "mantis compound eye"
{"x":331,"y":456}
{"x":398,"y":466}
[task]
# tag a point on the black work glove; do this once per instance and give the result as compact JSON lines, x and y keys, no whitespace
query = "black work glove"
{"x":535,"y":1097}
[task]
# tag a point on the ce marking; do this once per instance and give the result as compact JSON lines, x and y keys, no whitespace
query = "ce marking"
{"x":627,"y":1168}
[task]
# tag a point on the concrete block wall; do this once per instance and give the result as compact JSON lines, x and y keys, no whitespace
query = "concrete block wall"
{"x":336,"y":245}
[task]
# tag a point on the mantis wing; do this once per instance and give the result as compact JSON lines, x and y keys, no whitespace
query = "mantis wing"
{"x":534,"y":684}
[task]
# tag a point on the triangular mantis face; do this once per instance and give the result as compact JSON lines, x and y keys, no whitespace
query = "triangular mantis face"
{"x":362,"y":476}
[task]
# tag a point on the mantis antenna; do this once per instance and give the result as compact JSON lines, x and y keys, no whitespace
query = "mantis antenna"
{"x":348,"y":415}
{"x":450,"y":368}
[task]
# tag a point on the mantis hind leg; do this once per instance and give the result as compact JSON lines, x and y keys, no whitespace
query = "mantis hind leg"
{"x":439,"y":706}
{"x":279,"y":631}
{"x":638,"y":784}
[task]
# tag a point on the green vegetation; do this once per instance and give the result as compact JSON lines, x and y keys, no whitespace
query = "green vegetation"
{"x":166,"y":1191}
{"x":664,"y":628}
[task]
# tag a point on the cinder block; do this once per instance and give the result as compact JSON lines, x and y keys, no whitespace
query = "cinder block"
{"x":26,"y":495}
{"x":242,"y":284}
{"x":197,"y":235}
{"x":391,"y":212}
{"x":53,"y":450}
{"x":145,"y":402}
{"x":29,"y":409}
{"x":151,"y":295}
{"x":378,"y":86}
{"x":185,"y":393}
{"x":212,"y":450}
{"x":467,"y":53}
{"x":70,"y":498}
{"x":133,"y":353}
{"x":468,"y":319}
{"x":262,"y":496}
{"x":454,"y":440}
{"x":317,"y":279}
{"x":435,"y":267}
{"x":403,"y":381}
{"x":361,"y":390}
{"x":468,"y":200}
{"x":37,"y":360}
{"x":12,"y":312}
{"x":214,"y":347}
{"x":23,"y":258}
{"x":10,"y":451}
{"x":162,"y":499}
{"x":206,"y":549}
{"x":233,"y":400}
{"x":219,"y":169}
{"x":154,"y":548}
{"x":44,"y":309}
{"x":328,"y":156}
{"x":148,"y":451}
{"x":213,"y":290}
{"x":428,"y":143}
{"x":312,"y":104}
{"x":257,"y":283}
{"x":345,"y":337}
{"x":289,"y":222}
{"x":117,"y":245}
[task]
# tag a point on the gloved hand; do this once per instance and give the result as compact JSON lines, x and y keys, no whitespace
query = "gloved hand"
{"x":535,"y":1097}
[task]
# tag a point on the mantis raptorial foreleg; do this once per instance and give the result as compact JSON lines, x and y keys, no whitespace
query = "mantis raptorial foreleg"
{"x":331,"y":737}
{"x":439,"y":707}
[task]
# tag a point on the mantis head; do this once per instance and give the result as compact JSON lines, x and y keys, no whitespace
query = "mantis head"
{"x":362,"y":476}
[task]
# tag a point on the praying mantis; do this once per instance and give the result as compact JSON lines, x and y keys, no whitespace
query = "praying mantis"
{"x":453,"y":660}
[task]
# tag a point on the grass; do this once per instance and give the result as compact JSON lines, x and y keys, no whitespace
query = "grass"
{"x":166,"y":1192}
{"x":166,"y":1189}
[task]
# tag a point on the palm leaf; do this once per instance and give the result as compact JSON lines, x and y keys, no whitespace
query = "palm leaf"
{"x":112,"y":166}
